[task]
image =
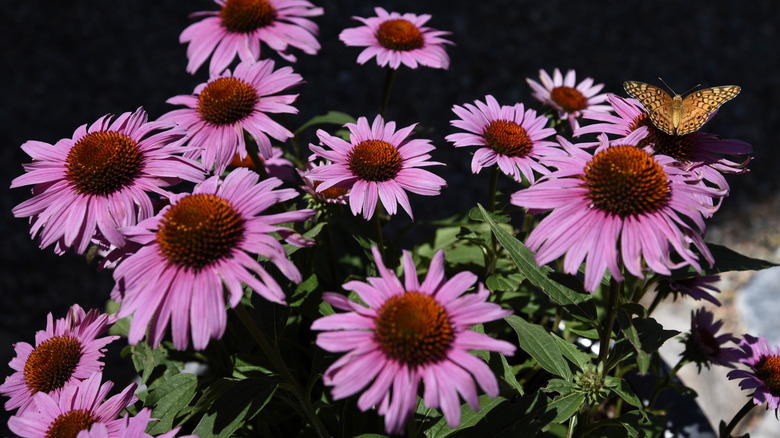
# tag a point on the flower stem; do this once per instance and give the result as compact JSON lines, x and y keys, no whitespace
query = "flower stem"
{"x":726,"y":433}
{"x":606,"y":334}
{"x":276,"y":359}
{"x":492,"y":189}
{"x":380,"y":243}
{"x":386,"y":93}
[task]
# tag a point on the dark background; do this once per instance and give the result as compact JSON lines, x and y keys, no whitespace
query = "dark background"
{"x":69,"y":63}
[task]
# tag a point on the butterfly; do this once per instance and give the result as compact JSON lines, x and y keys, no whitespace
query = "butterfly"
{"x":680,"y":115}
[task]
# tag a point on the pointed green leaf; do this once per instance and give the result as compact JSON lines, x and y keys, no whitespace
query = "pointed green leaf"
{"x":726,"y":260}
{"x":468,"y":418}
{"x":239,"y":401}
{"x":624,"y":391}
{"x":566,"y":406}
{"x":170,"y":399}
{"x":571,"y":352}
{"x":509,"y":375}
{"x":332,"y":118}
{"x":541,"y":276}
{"x":540,"y":344}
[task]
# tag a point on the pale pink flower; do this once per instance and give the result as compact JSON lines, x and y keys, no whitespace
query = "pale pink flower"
{"x":67,"y":351}
{"x":79,"y":406}
{"x":199,"y":248}
{"x":510,"y":136}
{"x":219,"y":111}
{"x":378,"y":163}
{"x":397,"y":39}
{"x":621,"y":206}
{"x":86,"y":187}
{"x":403,"y":334}
{"x":568,"y":98}
{"x":240,"y":26}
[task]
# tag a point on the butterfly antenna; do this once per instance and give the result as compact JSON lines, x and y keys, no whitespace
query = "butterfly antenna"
{"x":667,"y":85}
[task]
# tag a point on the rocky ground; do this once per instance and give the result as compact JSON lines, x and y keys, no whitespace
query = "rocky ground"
{"x":68,"y":63}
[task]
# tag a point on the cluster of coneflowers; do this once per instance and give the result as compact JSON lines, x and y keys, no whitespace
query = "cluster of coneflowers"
{"x":199,"y":212}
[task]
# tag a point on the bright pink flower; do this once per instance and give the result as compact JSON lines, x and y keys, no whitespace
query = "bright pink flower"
{"x":333,"y":195}
{"x":621,"y":206}
{"x":129,"y":427}
{"x":699,"y":152}
{"x":397,"y":39}
{"x":410,"y":333}
{"x":377,"y":163}
{"x":510,"y":136}
{"x":764,"y":374}
{"x":78,"y":407}
{"x":86,"y":187}
{"x":68,"y":351}
{"x":569,"y":99}
{"x":239,"y":27}
{"x":199,"y":246}
{"x":220,"y":110}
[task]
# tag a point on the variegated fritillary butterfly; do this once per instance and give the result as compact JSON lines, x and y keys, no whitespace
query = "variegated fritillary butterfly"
{"x":680,"y":115}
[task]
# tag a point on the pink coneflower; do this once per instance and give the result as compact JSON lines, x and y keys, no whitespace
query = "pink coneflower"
{"x":68,"y":351}
{"x":510,"y":136}
{"x":129,"y":427}
{"x":569,"y":99}
{"x":397,"y":39}
{"x":332,"y":195}
{"x":220,"y":110}
{"x":86,"y":187}
{"x":197,"y":245}
{"x":239,"y":27}
{"x":621,"y":206}
{"x":79,"y":407}
{"x":704,"y":347}
{"x":698,"y":288}
{"x":409,"y":333}
{"x":699,"y":152}
{"x":378,"y":162}
{"x":764,"y":373}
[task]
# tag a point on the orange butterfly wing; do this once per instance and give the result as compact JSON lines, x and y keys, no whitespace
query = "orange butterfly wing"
{"x":656,"y":101}
{"x":699,"y":105}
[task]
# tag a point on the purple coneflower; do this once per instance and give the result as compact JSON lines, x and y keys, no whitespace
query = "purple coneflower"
{"x":510,"y":136}
{"x":621,"y":206}
{"x":377,"y":163}
{"x":240,"y":26}
{"x":196,"y":248}
{"x":86,"y":187}
{"x":410,"y":333}
{"x":220,"y":110}
{"x":397,"y":39}
{"x":764,"y":373}
{"x":704,"y":347}
{"x":570,"y":99}
{"x":68,"y":351}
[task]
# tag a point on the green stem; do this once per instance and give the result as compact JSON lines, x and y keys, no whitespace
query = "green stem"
{"x":386,"y":93}
{"x":492,"y":189}
{"x":380,"y":242}
{"x":663,"y":383}
{"x":606,"y":334}
{"x":273,"y":355}
{"x":737,"y":418}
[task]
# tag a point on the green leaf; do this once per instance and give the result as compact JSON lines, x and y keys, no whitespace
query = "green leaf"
{"x":502,"y":282}
{"x":332,"y":117}
{"x":146,"y":359}
{"x":516,"y":417}
{"x":726,"y":260}
{"x":571,"y":352}
{"x":468,"y":417}
{"x":170,"y":399}
{"x":540,"y":344}
{"x":509,"y":375}
{"x":541,"y":276}
{"x":476,"y":214}
{"x":624,"y":391}
{"x":303,"y":290}
{"x":235,"y":402}
{"x":566,"y":406}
